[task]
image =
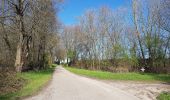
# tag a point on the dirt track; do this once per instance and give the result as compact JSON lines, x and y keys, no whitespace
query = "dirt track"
{"x":144,"y":91}
{"x":68,"y":86}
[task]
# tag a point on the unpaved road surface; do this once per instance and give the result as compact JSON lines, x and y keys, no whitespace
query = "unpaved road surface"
{"x":68,"y":86}
{"x":144,"y":91}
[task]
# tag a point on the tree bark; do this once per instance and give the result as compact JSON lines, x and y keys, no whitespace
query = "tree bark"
{"x":19,"y":53}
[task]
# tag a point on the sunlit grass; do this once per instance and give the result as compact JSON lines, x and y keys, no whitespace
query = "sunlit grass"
{"x":164,"y":96}
{"x":121,"y":76}
{"x":34,"y":82}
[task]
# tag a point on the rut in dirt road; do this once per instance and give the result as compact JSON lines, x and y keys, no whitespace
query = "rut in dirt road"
{"x":68,"y":86}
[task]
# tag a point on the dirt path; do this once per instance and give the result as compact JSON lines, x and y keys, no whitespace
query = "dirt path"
{"x":144,"y":91}
{"x":68,"y":86}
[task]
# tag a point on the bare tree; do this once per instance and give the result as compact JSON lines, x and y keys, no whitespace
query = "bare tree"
{"x":33,"y":23}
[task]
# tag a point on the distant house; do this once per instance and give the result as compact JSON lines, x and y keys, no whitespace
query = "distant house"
{"x":62,"y":61}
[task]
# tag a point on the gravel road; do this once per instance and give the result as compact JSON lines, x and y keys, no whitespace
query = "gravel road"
{"x":142,"y":90}
{"x":68,"y":86}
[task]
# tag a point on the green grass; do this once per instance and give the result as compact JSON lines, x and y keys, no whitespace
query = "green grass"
{"x":53,"y":65}
{"x":34,"y":82}
{"x":150,"y":77}
{"x":164,"y":96}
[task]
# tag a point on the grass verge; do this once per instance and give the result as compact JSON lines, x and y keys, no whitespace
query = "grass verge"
{"x":164,"y":96}
{"x":34,"y":82}
{"x":147,"y":77}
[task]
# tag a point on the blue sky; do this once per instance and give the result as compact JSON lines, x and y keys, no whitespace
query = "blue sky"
{"x":74,"y":8}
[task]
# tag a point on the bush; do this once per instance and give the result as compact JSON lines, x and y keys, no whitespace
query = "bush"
{"x":9,"y":81}
{"x":164,"y":96}
{"x":53,"y":65}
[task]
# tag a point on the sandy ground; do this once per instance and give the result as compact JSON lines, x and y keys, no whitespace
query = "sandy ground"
{"x":144,"y":91}
{"x":68,"y":86}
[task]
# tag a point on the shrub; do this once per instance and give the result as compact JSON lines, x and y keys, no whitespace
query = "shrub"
{"x":9,"y":81}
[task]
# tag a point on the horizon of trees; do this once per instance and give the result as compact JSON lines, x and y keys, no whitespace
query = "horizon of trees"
{"x":104,"y":39}
{"x":31,"y":36}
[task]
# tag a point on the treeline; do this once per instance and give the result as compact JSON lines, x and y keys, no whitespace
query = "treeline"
{"x":28,"y":33}
{"x":122,"y":40}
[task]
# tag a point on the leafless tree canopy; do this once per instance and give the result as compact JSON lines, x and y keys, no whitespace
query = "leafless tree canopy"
{"x":28,"y":33}
{"x":105,"y":40}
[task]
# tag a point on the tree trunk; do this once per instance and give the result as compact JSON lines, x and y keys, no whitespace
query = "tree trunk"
{"x":20,"y":19}
{"x":18,"y":64}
